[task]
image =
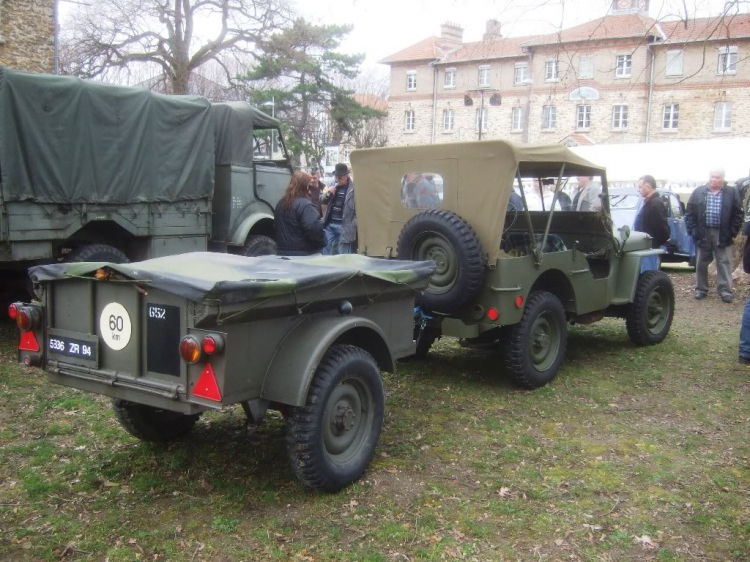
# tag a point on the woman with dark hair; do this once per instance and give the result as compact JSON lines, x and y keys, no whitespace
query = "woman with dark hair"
{"x":298,"y":228}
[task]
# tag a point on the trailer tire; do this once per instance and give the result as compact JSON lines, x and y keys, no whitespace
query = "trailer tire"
{"x":258,"y":245}
{"x":152,"y":424}
{"x":97,"y":252}
{"x":331,"y":439}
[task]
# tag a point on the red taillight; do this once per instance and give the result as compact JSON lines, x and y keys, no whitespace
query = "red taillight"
{"x":212,"y":344}
{"x":519,"y":301}
{"x":206,"y":385}
{"x":190,"y":350}
{"x":27,"y":318}
{"x":13,"y":310}
{"x":493,"y":314}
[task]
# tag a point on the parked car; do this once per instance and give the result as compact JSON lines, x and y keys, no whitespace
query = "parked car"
{"x":624,"y":204}
{"x":504,"y":274}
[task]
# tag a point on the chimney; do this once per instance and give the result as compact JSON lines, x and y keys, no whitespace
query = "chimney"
{"x":451,"y":35}
{"x":492,"y":32}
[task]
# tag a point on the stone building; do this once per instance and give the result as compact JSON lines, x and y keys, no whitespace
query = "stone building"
{"x":622,"y":78}
{"x":27,"y":31}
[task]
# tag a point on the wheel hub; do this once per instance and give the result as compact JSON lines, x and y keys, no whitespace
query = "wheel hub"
{"x":343,"y":419}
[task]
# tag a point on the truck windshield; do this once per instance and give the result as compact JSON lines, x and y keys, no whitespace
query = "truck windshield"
{"x":268,"y":146}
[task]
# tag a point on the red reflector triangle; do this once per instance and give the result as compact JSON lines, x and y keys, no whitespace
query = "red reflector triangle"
{"x":28,"y":342}
{"x":206,"y":387}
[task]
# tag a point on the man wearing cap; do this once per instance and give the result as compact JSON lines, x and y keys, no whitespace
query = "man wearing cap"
{"x":340,"y":218}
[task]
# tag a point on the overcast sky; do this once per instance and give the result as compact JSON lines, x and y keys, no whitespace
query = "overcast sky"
{"x":383,"y":27}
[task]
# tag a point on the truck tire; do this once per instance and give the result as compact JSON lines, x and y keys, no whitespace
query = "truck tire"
{"x":534,"y":348}
{"x":258,"y":245}
{"x":97,"y":252}
{"x":449,"y":241}
{"x":152,"y":424}
{"x":331,"y":439}
{"x":649,"y":317}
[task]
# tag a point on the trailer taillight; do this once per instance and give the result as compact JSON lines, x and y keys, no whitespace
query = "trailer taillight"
{"x":190,"y":350}
{"x":27,"y":318}
{"x":13,"y":310}
{"x":212,"y":344}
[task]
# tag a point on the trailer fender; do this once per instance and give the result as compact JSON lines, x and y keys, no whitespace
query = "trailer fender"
{"x":295,"y":360}
{"x":242,"y":232}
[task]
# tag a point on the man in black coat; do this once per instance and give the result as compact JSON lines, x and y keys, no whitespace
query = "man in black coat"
{"x":713,"y":218}
{"x":651,"y":219}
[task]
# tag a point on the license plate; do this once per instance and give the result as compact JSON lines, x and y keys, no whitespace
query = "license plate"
{"x":70,"y":347}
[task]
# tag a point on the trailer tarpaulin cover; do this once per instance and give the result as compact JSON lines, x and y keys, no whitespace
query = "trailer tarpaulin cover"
{"x":65,"y":140}
{"x":226,"y":278}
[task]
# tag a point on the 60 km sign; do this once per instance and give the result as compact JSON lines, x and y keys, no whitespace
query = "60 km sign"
{"x":114,"y":326}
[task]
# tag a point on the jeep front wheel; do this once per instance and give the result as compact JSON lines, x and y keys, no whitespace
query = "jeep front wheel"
{"x":649,"y":316}
{"x":331,"y":439}
{"x":535,"y":347}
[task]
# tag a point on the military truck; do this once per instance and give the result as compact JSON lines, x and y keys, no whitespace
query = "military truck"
{"x":170,"y":338}
{"x":97,"y":172}
{"x":505,"y":273}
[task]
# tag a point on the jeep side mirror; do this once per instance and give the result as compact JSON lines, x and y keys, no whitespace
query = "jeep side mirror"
{"x":624,"y":232}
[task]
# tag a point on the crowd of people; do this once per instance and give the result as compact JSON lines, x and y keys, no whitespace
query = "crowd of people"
{"x":313,"y":218}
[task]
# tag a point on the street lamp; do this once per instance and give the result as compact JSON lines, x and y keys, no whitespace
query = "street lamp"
{"x":272,"y":104}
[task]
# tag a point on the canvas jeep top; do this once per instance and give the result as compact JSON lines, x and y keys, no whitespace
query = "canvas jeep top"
{"x":514,"y":273}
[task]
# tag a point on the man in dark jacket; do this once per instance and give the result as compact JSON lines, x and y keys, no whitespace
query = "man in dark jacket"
{"x":713,"y":218}
{"x":340,"y":218}
{"x":745,"y":328}
{"x":316,"y":189}
{"x":651,"y":219}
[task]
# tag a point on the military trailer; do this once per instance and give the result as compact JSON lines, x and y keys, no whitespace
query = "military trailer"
{"x":97,"y":172}
{"x":170,"y":338}
{"x":505,"y":273}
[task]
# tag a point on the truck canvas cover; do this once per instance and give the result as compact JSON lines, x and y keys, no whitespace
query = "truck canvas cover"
{"x":234,"y":122}
{"x":228,"y":279}
{"x":65,"y":140}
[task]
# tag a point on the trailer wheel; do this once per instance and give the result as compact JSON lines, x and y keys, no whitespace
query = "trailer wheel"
{"x":534,"y":348}
{"x":97,"y":252}
{"x":331,"y":439}
{"x":649,"y":316}
{"x":258,"y":245}
{"x":152,"y":424}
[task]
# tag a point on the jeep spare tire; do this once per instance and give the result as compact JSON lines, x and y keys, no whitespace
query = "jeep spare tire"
{"x":449,"y":241}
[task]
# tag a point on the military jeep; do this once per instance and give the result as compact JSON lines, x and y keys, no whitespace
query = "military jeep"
{"x":505,"y":273}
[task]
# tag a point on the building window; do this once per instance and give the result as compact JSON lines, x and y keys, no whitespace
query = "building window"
{"x":549,"y":117}
{"x":624,"y":66}
{"x":522,"y":72}
{"x":517,"y":119}
{"x":723,"y":116}
{"x":586,"y":67}
{"x":583,"y":116}
{"x":619,"y":116}
{"x":674,"y":63}
{"x":450,"y":78}
{"x":447,"y":120}
{"x":727,"y":60}
{"x":409,"y":120}
{"x":484,"y":76}
{"x":671,"y":116}
{"x":482,"y":119}
{"x":551,"y":70}
{"x":411,"y":80}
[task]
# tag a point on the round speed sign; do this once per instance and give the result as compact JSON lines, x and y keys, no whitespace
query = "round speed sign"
{"x":114,"y":326}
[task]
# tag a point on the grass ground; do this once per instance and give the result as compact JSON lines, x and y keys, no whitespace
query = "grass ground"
{"x":630,"y":454}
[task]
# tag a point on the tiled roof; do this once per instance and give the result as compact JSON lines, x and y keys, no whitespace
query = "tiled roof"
{"x":608,"y":27}
{"x":504,"y":48}
{"x":424,"y":50}
{"x":718,"y":27}
{"x":372,"y":100}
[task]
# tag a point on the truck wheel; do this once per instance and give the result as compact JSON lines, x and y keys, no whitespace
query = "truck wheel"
{"x":449,"y":241}
{"x":258,"y":245}
{"x":649,"y":317}
{"x":331,"y":439}
{"x":535,"y":347}
{"x":152,"y":424}
{"x":97,"y":252}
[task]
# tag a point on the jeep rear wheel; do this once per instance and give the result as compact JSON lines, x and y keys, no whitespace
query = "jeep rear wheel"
{"x":535,"y":347}
{"x":449,"y":241}
{"x":331,"y":439}
{"x":152,"y":424}
{"x":649,"y":316}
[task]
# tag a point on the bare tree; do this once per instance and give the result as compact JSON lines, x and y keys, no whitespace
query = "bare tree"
{"x":371,"y":90}
{"x":112,"y":35}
